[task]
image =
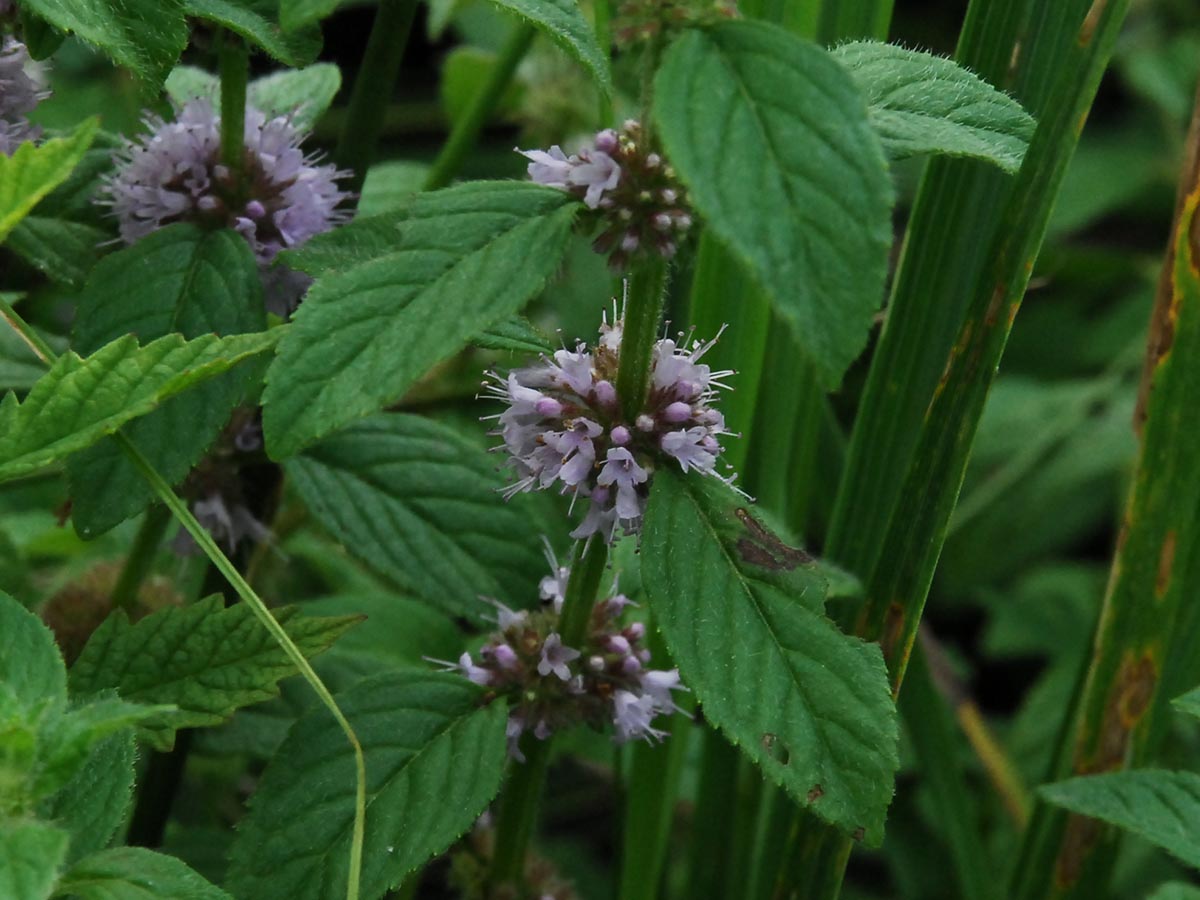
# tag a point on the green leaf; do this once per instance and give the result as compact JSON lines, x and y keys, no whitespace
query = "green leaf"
{"x":80,"y":400}
{"x":33,"y":171}
{"x":920,"y":103}
{"x":741,"y":614}
{"x":465,"y":72}
{"x":1189,"y":703}
{"x":146,"y":36}
{"x":423,"y":506}
{"x":564,"y":23}
{"x":435,"y":756}
{"x":304,"y":94}
{"x":517,"y":335}
{"x":389,"y":185}
{"x":772,"y":138}
{"x":30,"y":856}
{"x":64,"y":251}
{"x":135,"y":873}
{"x":180,"y":279}
{"x":205,"y":659}
{"x":93,"y":804}
{"x":31,"y":667}
{"x":296,"y":48}
{"x":295,"y":14}
{"x":458,"y":261}
{"x":399,"y":632}
{"x":1160,"y":806}
{"x":19,"y":366}
{"x":191,"y":83}
{"x":66,"y":738}
{"x":1176,"y":890}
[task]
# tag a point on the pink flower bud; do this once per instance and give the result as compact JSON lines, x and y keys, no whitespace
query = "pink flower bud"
{"x":677,"y":412}
{"x":620,"y":435}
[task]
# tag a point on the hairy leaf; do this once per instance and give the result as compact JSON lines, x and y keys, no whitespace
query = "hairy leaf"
{"x":741,"y":615}
{"x":920,"y":103}
{"x":295,"y":14}
{"x":564,"y":23}
{"x":435,"y":756}
{"x":93,"y":804}
{"x":304,"y":94}
{"x":205,"y":659}
{"x":458,"y":261}
{"x":146,"y":36}
{"x":65,"y":251}
{"x":517,"y":335}
{"x":1160,"y":806}
{"x":31,"y":667}
{"x":422,"y":505}
{"x":135,"y":873}
{"x":81,"y":400}
{"x":180,"y":279}
{"x":297,"y":48}
{"x":33,"y":171}
{"x":30,"y":855}
{"x":773,"y":140}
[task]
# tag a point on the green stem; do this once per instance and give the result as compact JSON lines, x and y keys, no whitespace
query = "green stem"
{"x":33,"y":340}
{"x":140,"y":558}
{"x":647,"y":286}
{"x":233,"y":62}
{"x":373,"y":88}
{"x":219,"y":560}
{"x":519,"y":802}
{"x":466,"y":129}
{"x":602,"y":25}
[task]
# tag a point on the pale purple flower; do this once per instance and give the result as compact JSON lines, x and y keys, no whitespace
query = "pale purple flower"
{"x":551,"y":686}
{"x":19,"y":94}
{"x":174,"y":173}
{"x":629,"y":192}
{"x":555,"y":657}
{"x":564,"y":426}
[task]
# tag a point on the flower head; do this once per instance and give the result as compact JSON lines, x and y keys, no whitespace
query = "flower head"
{"x":174,"y":173}
{"x":564,"y":426}
{"x":551,"y":685}
{"x":633,"y":194}
{"x":19,"y":94}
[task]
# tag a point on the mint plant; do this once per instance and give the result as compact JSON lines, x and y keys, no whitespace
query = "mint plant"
{"x":339,"y":560}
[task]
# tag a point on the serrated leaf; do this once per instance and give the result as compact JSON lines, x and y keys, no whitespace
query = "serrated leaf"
{"x":564,"y":23}
{"x":920,"y":103}
{"x":459,"y":261}
{"x":423,"y":506}
{"x":389,"y":185}
{"x":67,"y":737}
{"x":81,"y":400}
{"x":1160,"y":806}
{"x":304,"y":94}
{"x":180,"y":279}
{"x":294,"y":48}
{"x":295,"y":14}
{"x":31,"y":667}
{"x":741,"y":614}
{"x":135,"y":873}
{"x":64,"y":251}
{"x":30,"y":856}
{"x":517,"y":335}
{"x":205,"y":659}
{"x":771,"y":137}
{"x":146,"y":36}
{"x":93,"y":804}
{"x":434,"y":755}
{"x":33,"y":171}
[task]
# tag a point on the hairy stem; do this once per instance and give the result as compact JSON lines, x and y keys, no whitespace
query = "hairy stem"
{"x":465,"y":131}
{"x":647,"y":286}
{"x":233,"y":62}
{"x":373,"y":87}
{"x":523,"y":792}
{"x":141,"y":558}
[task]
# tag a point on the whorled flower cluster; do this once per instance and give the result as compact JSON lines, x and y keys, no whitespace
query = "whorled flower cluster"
{"x":552,"y":686}
{"x":19,"y":94}
{"x":564,"y":426}
{"x":282,"y":197}
{"x":636,"y":197}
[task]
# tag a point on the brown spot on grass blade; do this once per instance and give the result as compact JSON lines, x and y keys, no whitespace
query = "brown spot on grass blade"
{"x":764,"y":548}
{"x":1166,"y":562}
